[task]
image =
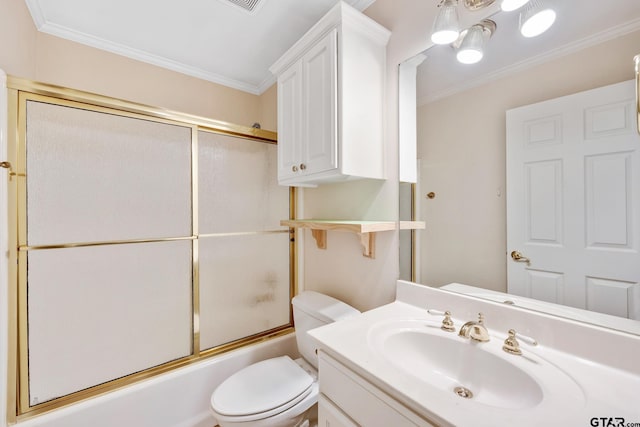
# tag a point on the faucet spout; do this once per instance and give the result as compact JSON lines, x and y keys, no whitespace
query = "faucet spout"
{"x":475,"y":331}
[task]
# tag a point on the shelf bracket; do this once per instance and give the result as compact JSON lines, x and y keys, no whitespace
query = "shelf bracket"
{"x":320,"y":237}
{"x":365,"y":230}
{"x":368,"y":242}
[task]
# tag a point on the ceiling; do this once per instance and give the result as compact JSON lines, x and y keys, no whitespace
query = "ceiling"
{"x":215,"y":40}
{"x":221,"y":42}
{"x":579,"y":24}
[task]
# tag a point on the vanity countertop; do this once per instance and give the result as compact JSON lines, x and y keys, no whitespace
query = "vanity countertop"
{"x":578,"y":390}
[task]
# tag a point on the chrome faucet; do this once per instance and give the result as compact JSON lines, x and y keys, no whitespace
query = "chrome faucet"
{"x":475,"y":330}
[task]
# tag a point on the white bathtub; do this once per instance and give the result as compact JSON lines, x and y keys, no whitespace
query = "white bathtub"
{"x":176,"y":399}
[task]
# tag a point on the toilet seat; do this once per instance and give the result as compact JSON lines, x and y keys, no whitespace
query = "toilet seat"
{"x":262,"y":390}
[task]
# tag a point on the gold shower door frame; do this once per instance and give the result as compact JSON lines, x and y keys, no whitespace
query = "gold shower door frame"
{"x":21,"y":91}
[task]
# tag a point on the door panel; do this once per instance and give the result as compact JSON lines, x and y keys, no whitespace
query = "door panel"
{"x":608,"y":200}
{"x":289,"y":121}
{"x":320,"y":97}
{"x":543,"y":210}
{"x":545,"y":286}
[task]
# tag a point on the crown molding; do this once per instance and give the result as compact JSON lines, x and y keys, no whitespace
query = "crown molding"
{"x":556,"y":53}
{"x":36,"y":13}
{"x":139,"y":55}
{"x":44,"y":26}
{"x":266,"y":83}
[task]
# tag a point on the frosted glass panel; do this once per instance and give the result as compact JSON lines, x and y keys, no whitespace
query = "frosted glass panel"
{"x":99,"y":313}
{"x":244,"y":286}
{"x":94,"y":176}
{"x":238,"y":187}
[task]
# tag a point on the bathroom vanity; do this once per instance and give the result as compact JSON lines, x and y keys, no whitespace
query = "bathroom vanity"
{"x":348,"y":400}
{"x":394,"y":365}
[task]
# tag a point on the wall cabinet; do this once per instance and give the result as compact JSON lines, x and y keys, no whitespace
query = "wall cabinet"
{"x":347,"y":400}
{"x":331,"y":101}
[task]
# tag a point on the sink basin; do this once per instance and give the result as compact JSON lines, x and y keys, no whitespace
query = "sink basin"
{"x":478,"y":372}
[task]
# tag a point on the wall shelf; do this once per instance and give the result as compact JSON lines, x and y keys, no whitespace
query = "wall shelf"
{"x":366,"y":231}
{"x":412,"y":225}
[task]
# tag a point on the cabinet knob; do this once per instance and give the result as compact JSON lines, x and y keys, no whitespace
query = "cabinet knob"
{"x":302,"y":166}
{"x":294,"y":168}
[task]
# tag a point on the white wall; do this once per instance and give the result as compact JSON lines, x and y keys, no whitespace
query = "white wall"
{"x":465,"y":239}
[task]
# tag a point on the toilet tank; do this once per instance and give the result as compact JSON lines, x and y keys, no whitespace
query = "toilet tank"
{"x":312,"y":310}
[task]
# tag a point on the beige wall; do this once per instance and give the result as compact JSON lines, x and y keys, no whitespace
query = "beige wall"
{"x":38,"y":56}
{"x":463,"y":160}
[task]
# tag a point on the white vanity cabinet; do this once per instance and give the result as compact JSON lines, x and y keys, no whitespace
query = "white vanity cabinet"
{"x":348,"y":400}
{"x":329,"y":415}
{"x":331,"y":101}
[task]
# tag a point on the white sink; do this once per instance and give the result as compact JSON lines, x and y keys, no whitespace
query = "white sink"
{"x":478,"y":373}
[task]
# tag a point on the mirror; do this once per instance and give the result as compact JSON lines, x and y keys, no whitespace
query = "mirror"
{"x":461,"y":139}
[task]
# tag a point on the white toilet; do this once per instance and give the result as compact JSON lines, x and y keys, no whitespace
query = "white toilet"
{"x":279,"y":392}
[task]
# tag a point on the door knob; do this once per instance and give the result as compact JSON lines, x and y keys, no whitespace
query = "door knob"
{"x":518,"y":257}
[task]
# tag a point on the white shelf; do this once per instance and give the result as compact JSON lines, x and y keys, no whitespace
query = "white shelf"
{"x":412,"y":225}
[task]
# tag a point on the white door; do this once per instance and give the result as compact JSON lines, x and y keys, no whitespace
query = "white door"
{"x":320,"y":71}
{"x":573,"y":201}
{"x":289,"y":121}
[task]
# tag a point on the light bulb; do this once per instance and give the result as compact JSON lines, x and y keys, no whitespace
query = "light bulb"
{"x":469,"y":56}
{"x":471,"y":48}
{"x":536,"y":19}
{"x":445,"y":27}
{"x":509,"y":5}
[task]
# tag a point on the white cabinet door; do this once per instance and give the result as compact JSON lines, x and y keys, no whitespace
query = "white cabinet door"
{"x":330,"y":415}
{"x":319,"y":98}
{"x":365,"y":404}
{"x":289,"y":121}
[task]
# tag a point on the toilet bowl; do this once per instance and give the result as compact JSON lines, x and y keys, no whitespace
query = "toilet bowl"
{"x":280,"y":392}
{"x":274,"y":392}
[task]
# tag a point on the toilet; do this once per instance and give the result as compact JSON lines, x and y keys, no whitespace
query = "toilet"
{"x":279,"y":392}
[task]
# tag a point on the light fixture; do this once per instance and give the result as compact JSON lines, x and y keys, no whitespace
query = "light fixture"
{"x":477,"y":4}
{"x":536,"y":19}
{"x":470,"y":45}
{"x":445,"y":27}
{"x":509,"y":5}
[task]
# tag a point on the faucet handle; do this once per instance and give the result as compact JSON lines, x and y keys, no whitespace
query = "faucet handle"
{"x":511,"y":344}
{"x":447,"y":323}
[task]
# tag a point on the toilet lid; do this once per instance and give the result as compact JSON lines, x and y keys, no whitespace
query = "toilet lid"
{"x":261,"y":387}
